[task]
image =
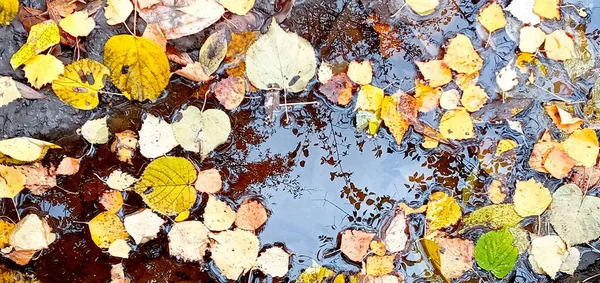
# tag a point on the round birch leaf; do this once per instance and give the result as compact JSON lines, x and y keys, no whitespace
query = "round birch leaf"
{"x":531,"y":198}
{"x":188,"y":240}
{"x":80,"y":83}
{"x":442,"y":211}
{"x":119,"y":180}
{"x":95,"y":131}
{"x":548,"y":253}
{"x":574,"y":216}
{"x":143,"y":225}
{"x":12,"y":181}
{"x":280,"y":60}
{"x":31,"y":233}
{"x":187,"y":129}
{"x":106,"y":228}
{"x":274,"y":261}
{"x":234,"y":252}
{"x":156,"y":137}
{"x":218,"y":215}
{"x":24,"y":149}
{"x":215,"y":128}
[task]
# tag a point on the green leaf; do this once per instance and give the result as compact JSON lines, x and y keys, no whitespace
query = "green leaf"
{"x":495,"y":216}
{"x":495,"y":252}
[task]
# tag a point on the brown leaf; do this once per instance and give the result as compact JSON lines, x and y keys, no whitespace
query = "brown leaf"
{"x":154,"y":33}
{"x":558,"y":163}
{"x":500,"y":110}
{"x":230,"y":92}
{"x":28,"y":92}
{"x":30,"y":17}
{"x":338,"y":89}
{"x":585,"y":178}
{"x":251,"y":215}
{"x":125,"y":145}
{"x":68,"y":166}
{"x":209,"y":181}
{"x":354,"y":244}
{"x":21,"y":257}
{"x":38,"y":179}
{"x":456,"y":256}
{"x":540,"y":151}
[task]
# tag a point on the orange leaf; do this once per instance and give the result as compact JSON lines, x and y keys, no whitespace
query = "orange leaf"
{"x":209,"y":181}
{"x":230,"y":92}
{"x":251,"y":215}
{"x":354,"y":244}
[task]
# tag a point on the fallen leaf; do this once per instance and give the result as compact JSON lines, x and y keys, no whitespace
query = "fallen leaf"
{"x":461,"y":55}
{"x":507,"y":78}
{"x":154,"y":33}
{"x":585,"y":178}
{"x":80,"y":83}
{"x":31,"y":233}
{"x":188,"y":240}
{"x":274,"y":261}
{"x":547,"y":9}
{"x":531,"y":38}
{"x":494,"y":252}
{"x":68,"y":166}
{"x":473,"y":98}
{"x":234,"y":252}
{"x":380,"y":265}
{"x":456,"y":256}
{"x":523,"y":10}
{"x":324,"y":74}
{"x":457,"y":124}
{"x":435,"y":72}
{"x":395,"y":235}
{"x":496,"y":192}
{"x":202,"y":131}
{"x":338,"y":89}
{"x":505,"y":145}
{"x":251,"y":215}
{"x":156,"y":137}
{"x":423,"y":7}
{"x":369,"y":98}
{"x":563,"y":119}
{"x":213,"y":51}
{"x":394,"y":114}
{"x":450,"y":99}
{"x":78,"y":24}
{"x":8,"y":91}
{"x":559,"y":46}
{"x":571,"y":263}
{"x":230,"y":92}
{"x":442,"y":211}
{"x":354,"y":244}
{"x":125,"y":145}
{"x":367,"y":120}
{"x":195,"y":72}
{"x":138,"y":66}
{"x":6,"y":229}
{"x":209,"y":181}
{"x":43,"y":69}
{"x":41,"y":37}
{"x":143,"y":4}
{"x":12,"y":181}
{"x":143,"y":225}
{"x":492,"y":17}
{"x":295,"y":64}
{"x":166,"y":185}
{"x":117,"y":275}
{"x":430,"y":142}
{"x":95,"y":131}
{"x":378,"y":247}
{"x":239,"y":7}
{"x":531,"y":198}
{"x":106,"y":228}
{"x":119,"y":248}
{"x":573,"y":215}
{"x":548,"y":254}
{"x":9,"y":10}
{"x":582,"y":146}
{"x":360,"y":72}
{"x":315,"y":273}
{"x":495,"y":216}
{"x":218,"y":215}
{"x":21,"y":257}
{"x":111,"y":201}
{"x":428,"y":98}
{"x":38,"y":179}
{"x":117,"y":11}
{"x":24,"y":149}
{"x":465,"y":80}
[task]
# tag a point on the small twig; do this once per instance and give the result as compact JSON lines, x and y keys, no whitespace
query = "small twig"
{"x":128,"y":29}
{"x":204,"y":103}
{"x":591,"y":277}
{"x":135,"y":5}
{"x":108,"y":92}
{"x":299,"y":103}
{"x":397,"y":12}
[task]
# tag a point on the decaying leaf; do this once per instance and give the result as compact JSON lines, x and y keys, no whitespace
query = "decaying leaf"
{"x":209,"y":181}
{"x":559,"y":46}
{"x":547,"y":254}
{"x":24,"y":149}
{"x":274,"y":261}
{"x":111,"y":201}
{"x":380,"y":265}
{"x":143,"y":225}
{"x":194,"y":71}
{"x":574,"y":215}
{"x":461,"y":55}
{"x":118,"y":180}
{"x":213,"y":51}
{"x":435,"y":72}
{"x":80,"y":83}
{"x":442,"y":211}
{"x":218,"y":215}
{"x":492,"y":17}
{"x":338,"y":89}
{"x":563,"y":119}
{"x":473,"y":98}
{"x":188,"y":240}
{"x":68,"y":166}
{"x":354,"y":244}
{"x":234,"y":252}
{"x":38,"y":178}
{"x":495,"y":216}
{"x":95,"y":131}
{"x":494,"y":252}
{"x":450,"y":99}
{"x":31,"y":233}
{"x":251,"y":215}
{"x":456,"y":256}
{"x":43,"y":69}
{"x":582,"y":146}
{"x":125,"y":145}
{"x":428,"y":98}
{"x":156,"y":137}
{"x":117,"y":11}
{"x":325,"y":73}
{"x":531,"y":198}
{"x":230,"y":92}
{"x":496,"y":192}
{"x":395,"y":235}
{"x":360,"y":72}
{"x":41,"y":37}
{"x":457,"y":124}
{"x":106,"y":228}
{"x":423,"y":7}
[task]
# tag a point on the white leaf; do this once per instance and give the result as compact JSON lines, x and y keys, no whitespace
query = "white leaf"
{"x":523,"y":10}
{"x":218,"y":215}
{"x":571,"y":262}
{"x":31,"y":233}
{"x":8,"y":91}
{"x":156,"y":137}
{"x":188,"y":240}
{"x":274,"y":261}
{"x":143,"y":226}
{"x":395,"y":235}
{"x":548,"y":254}
{"x":95,"y":131}
{"x":119,"y":248}
{"x":120,"y":181}
{"x":574,"y":216}
{"x":234,"y":252}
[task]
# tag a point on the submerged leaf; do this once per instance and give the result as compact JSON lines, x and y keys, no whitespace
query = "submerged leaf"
{"x":442,"y":211}
{"x":496,"y":216}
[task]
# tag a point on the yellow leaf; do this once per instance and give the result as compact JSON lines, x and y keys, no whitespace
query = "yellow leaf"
{"x":380,"y":265}
{"x":138,"y":66}
{"x":432,"y":250}
{"x":41,"y":37}
{"x":492,"y":17}
{"x":24,"y":149}
{"x":43,"y":69}
{"x":547,"y":9}
{"x":428,"y":98}
{"x":167,"y":185}
{"x":430,"y":142}
{"x":461,"y":55}
{"x":182,"y":216}
{"x":393,"y":119}
{"x":582,"y":145}
{"x":505,"y":145}
{"x":473,"y":98}
{"x":8,"y":11}
{"x":463,"y":80}
{"x":442,"y":211}
{"x":78,"y":24}
{"x":11,"y":181}
{"x":117,"y":11}
{"x":531,"y":198}
{"x":111,"y":201}
{"x":213,"y":51}
{"x":378,"y":247}
{"x":369,"y":98}
{"x":315,"y":273}
{"x":6,"y":229}
{"x":457,"y":124}
{"x":239,"y":7}
{"x":435,"y":72}
{"x":563,"y":119}
{"x":531,"y":38}
{"x":360,"y":72}
{"x":559,"y":46}
{"x":80,"y":83}
{"x":423,"y":7}
{"x":106,"y":228}
{"x":523,"y":58}
{"x":8,"y":91}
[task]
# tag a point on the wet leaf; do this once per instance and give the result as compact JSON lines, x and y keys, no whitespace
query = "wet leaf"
{"x":8,"y":91}
{"x":95,"y":131}
{"x":455,"y":256}
{"x":547,"y":9}
{"x":111,"y":201}
{"x":395,"y":120}
{"x":461,"y":55}
{"x":6,"y":229}
{"x":294,"y":54}
{"x":492,"y":17}
{"x":8,"y":11}
{"x":315,"y":273}
{"x":41,"y":37}
{"x":324,"y":74}
{"x":106,"y":228}
{"x":215,"y":128}
{"x":450,"y":99}
{"x":457,"y":124}
{"x":32,"y":233}
{"x":166,"y":185}
{"x":251,"y":215}
{"x":547,"y":254}
{"x":442,"y":211}
{"x":68,"y":166}
{"x":38,"y":179}
{"x":209,"y":181}
{"x":43,"y":69}
{"x":563,"y":119}
{"x":117,"y":11}
{"x":354,"y":244}
{"x":582,"y":146}
{"x":119,"y":248}
{"x":583,"y":60}
{"x":494,"y":252}
{"x":80,"y":83}
{"x":380,"y":265}
{"x":523,"y":10}
{"x":234,"y":252}
{"x":571,"y":263}
{"x":218,"y":215}
{"x":473,"y":98}
{"x":338,"y":89}
{"x":274,"y":261}
{"x":78,"y":24}
{"x":496,"y":193}
{"x":435,"y":72}
{"x":360,"y":72}
{"x":23,"y":149}
{"x":495,"y":216}
{"x":239,"y":7}
{"x":378,"y":247}
{"x":213,"y":51}
{"x":230,"y":92}
{"x":188,"y":240}
{"x":395,"y":235}
{"x":138,"y":66}
{"x":369,"y":98}
{"x":428,"y":98}
{"x":12,"y":181}
{"x":195,"y":72}
{"x":507,"y":78}
{"x":531,"y":198}
{"x":143,"y":225}
{"x":125,"y":145}
{"x":574,"y":216}
{"x":154,"y":33}
{"x":559,"y":46}
{"x":423,"y":7}
{"x":531,"y":38}
{"x":156,"y":137}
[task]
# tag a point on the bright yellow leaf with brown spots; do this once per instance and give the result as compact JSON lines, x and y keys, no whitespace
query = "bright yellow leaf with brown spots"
{"x":547,"y":9}
{"x":380,"y":265}
{"x":369,"y":98}
{"x":106,"y":228}
{"x":43,"y":69}
{"x":167,"y":185}
{"x":41,"y":37}
{"x":457,"y":124}
{"x":505,"y":145}
{"x":239,"y":7}
{"x":473,"y":98}
{"x":23,"y":149}
{"x":78,"y":24}
{"x":461,"y":55}
{"x":582,"y":145}
{"x":138,"y":66}
{"x":8,"y":11}
{"x":80,"y":83}
{"x":435,"y":72}
{"x":559,"y":46}
{"x":393,"y":119}
{"x":442,"y":211}
{"x":531,"y":198}
{"x":6,"y":229}
{"x":492,"y":17}
{"x":11,"y":181}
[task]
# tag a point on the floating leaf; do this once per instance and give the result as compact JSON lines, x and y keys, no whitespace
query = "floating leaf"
{"x":496,"y":192}
{"x":315,"y":273}
{"x":239,"y":7}
{"x":360,"y":72}
{"x":423,"y":7}
{"x":582,"y":145}
{"x":563,"y":119}
{"x":380,"y":265}
{"x":507,"y":78}
{"x":80,"y":83}
{"x":43,"y":69}
{"x":574,"y":215}
{"x":24,"y":149}
{"x":6,"y":229}
{"x":531,"y":38}
{"x":138,"y":66}
{"x":41,"y":37}
{"x":167,"y":185}
{"x":12,"y":181}
{"x":523,"y":10}
{"x":461,"y":55}
{"x":395,"y":236}
{"x":442,"y":211}
{"x":118,"y":180}
{"x":354,"y":244}
{"x":251,"y":215}
{"x":156,"y":137}
{"x":338,"y":89}
{"x":31,"y":233}
{"x":111,"y":201}
{"x":230,"y":92}
{"x":106,"y":228}
{"x":395,"y":120}
{"x":435,"y":72}
{"x":559,"y":46}
{"x":292,"y":67}
{"x":450,"y":99}
{"x":8,"y":11}
{"x":188,"y":240}
{"x":473,"y":98}
{"x":143,"y":225}
{"x":494,"y":252}
{"x":209,"y":181}
{"x":531,"y":198}
{"x":547,"y":9}
{"x":215,"y":128}
{"x":325,"y":73}
{"x":213,"y":51}
{"x":495,"y":216}
{"x":547,"y":254}
{"x":492,"y":17}
{"x":119,"y":248}
{"x":218,"y":215}
{"x":457,"y":124}
{"x":68,"y":166}
{"x":455,"y":256}
{"x":95,"y":131}
{"x":234,"y":252}
{"x":274,"y":261}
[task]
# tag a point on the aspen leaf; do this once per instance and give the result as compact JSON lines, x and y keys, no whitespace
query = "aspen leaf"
{"x":393,"y":118}
{"x":548,"y":254}
{"x":531,"y":198}
{"x":442,"y":211}
{"x":120,"y":181}
{"x":574,"y":215}
{"x":106,"y":228}
{"x":234,"y":252}
{"x":202,"y":131}
{"x":8,"y":91}
{"x":473,"y":98}
{"x":435,"y":72}
{"x":274,"y":261}
{"x":31,"y":233}
{"x":166,"y":185}
{"x":461,"y":55}
{"x":119,"y":248}
{"x":378,"y":247}
{"x":230,"y":92}
{"x":209,"y":181}
{"x":38,"y":179}
{"x":213,"y":51}
{"x":531,"y":38}
{"x":8,"y":11}
{"x":292,"y":67}
{"x":369,"y":98}
{"x":239,"y":7}
{"x":78,"y":24}
{"x":218,"y":215}
{"x":143,"y":225}
{"x":117,"y":11}
{"x":68,"y":166}
{"x":492,"y":17}
{"x":80,"y":83}
{"x":12,"y":181}
{"x":251,"y":215}
{"x":523,"y":10}
{"x":156,"y":137}
{"x":457,"y":124}
{"x":41,"y":37}
{"x":24,"y":149}
{"x":507,"y":78}
{"x":354,"y":244}
{"x":95,"y":131}
{"x":547,"y":9}
{"x":428,"y":98}
{"x":395,"y":235}
{"x":496,"y":216}
{"x":380,"y":265}
{"x":423,"y":7}
{"x":138,"y":66}
{"x":559,"y":46}
{"x":43,"y":69}
{"x":188,"y":240}
{"x":360,"y":72}
{"x":495,"y":252}
{"x":582,"y":146}
{"x":456,"y":256}
{"x":450,"y":99}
